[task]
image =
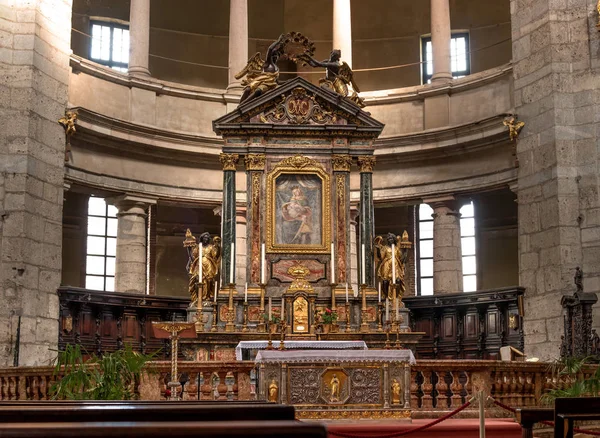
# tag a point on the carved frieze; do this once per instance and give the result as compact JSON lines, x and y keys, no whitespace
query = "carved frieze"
{"x":299,"y":107}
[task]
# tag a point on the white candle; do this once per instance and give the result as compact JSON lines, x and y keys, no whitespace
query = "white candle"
{"x":270,"y":307}
{"x":200,"y":265}
{"x":216,"y":291}
{"x":332,"y":265}
{"x":393,"y":263}
{"x":263,"y":262}
{"x":355,"y":291}
{"x":346,"y":292}
{"x":362,"y":270}
{"x":246,"y":292}
{"x":387,"y":309}
{"x":232,"y":264}
{"x":379,"y":292}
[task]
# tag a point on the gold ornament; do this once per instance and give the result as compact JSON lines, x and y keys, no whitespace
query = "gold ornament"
{"x":299,"y":162}
{"x":255,"y":161}
{"x":366,"y":164}
{"x":68,"y":123}
{"x":514,"y":126}
{"x":229,"y":161}
{"x":341,"y":163}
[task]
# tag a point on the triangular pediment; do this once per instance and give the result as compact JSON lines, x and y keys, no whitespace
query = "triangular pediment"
{"x":299,"y":106}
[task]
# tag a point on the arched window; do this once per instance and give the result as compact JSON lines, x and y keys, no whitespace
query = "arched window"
{"x":110,"y":45}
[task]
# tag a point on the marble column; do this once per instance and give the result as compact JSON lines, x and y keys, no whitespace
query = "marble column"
{"x":238,"y":41}
{"x":447,"y":253}
{"x":228,"y":214}
{"x":255,"y":167}
{"x":341,"y":173}
{"x":367,"y":223}
{"x":440,"y":40}
{"x":353,"y":251}
{"x":139,"y":37}
{"x":342,"y":29}
{"x":131,"y":263}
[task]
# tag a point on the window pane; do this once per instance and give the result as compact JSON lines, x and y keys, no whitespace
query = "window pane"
{"x":111,"y":211}
{"x":94,"y":265}
{"x":110,"y":266}
{"x":95,"y":53}
{"x":468,"y":246}
{"x":467,"y":210}
{"x":426,"y":230}
{"x":110,"y":284}
{"x":111,"y":246}
{"x":467,"y":227}
{"x":117,"y":41}
{"x":427,"y":286}
{"x":125,"y":47}
{"x":453,"y":54}
{"x":111,"y":229}
{"x":425,"y":212}
{"x":96,"y":225}
{"x":461,"y":54}
{"x":95,"y":283}
{"x":95,"y":245}
{"x":426,"y":248}
{"x":469,"y":265}
{"x":105,"y":44}
{"x":96,"y":206}
{"x":469,"y":283}
{"x":427,"y":268}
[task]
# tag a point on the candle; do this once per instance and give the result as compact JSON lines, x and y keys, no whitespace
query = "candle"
{"x":270,"y":306}
{"x":355,"y":291}
{"x":246,"y":292}
{"x":216,"y":291}
{"x":232,"y":264}
{"x":200,"y":265}
{"x":346,"y":292}
{"x":263,"y":262}
{"x":332,"y":264}
{"x":282,"y":308}
{"x":393,"y":263}
{"x":363,"y":270}
{"x":387,"y":309}
{"x":379,"y":292}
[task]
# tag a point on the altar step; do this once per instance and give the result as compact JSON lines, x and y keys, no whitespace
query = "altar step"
{"x":459,"y":428}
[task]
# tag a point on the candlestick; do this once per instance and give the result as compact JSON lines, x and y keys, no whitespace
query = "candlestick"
{"x":346,"y":292}
{"x":246,"y":293}
{"x":379,"y":292}
{"x":393,"y":262}
{"x":263,"y":262}
{"x":387,"y":309}
{"x":362,"y":267}
{"x":333,"y":297}
{"x":379,"y":316}
{"x":245,"y":326}
{"x":282,"y":316}
{"x":232,"y":264}
{"x":348,"y":328}
{"x":229,"y":326}
{"x":332,"y":264}
{"x":261,"y":325}
{"x":364,"y":326}
{"x":214,"y":328}
{"x":200,"y":271}
{"x":397,"y":311}
{"x":216,"y":291}
{"x":270,"y":308}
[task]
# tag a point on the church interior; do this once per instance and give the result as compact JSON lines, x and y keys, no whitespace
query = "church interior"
{"x":362,"y":214}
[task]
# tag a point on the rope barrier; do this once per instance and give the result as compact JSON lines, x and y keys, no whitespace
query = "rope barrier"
{"x":546,"y":423}
{"x":404,"y":432}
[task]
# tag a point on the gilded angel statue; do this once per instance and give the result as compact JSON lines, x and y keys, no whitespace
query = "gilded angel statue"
{"x":261,"y":76}
{"x":338,"y":76}
{"x":203,"y":266}
{"x":514,"y":127}
{"x":390,"y":261}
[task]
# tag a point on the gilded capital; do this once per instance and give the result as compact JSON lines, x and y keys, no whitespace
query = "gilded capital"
{"x":229,"y":161}
{"x":366,"y":164}
{"x":255,"y":161}
{"x":341,"y":163}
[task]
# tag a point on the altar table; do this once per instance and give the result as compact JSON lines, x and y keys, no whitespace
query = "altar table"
{"x":338,"y":384}
{"x":300,"y":345}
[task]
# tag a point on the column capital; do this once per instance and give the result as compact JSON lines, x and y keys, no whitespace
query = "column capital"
{"x":126,"y":203}
{"x":366,"y":163}
{"x":439,"y":204}
{"x":255,"y":161}
{"x":341,"y":163}
{"x":229,"y":161}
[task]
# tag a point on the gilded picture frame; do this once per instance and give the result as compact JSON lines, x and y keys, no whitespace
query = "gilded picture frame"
{"x":298,"y":207}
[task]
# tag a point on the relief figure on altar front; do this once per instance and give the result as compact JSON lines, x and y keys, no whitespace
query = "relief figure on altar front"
{"x":396,"y":392}
{"x":391,"y":255}
{"x":203,"y":266}
{"x":335,"y":389}
{"x":299,"y":210}
{"x":273,"y":391}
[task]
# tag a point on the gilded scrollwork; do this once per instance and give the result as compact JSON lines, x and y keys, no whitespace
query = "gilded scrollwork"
{"x":299,"y":162}
{"x":255,"y":210}
{"x":299,"y":107}
{"x":255,"y":161}
{"x":341,"y":163}
{"x":366,"y":164}
{"x":304,"y":386}
{"x":372,"y":414}
{"x":229,"y":161}
{"x":366,"y":386}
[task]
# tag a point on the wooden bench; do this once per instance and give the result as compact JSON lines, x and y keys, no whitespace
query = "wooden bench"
{"x":569,"y":410}
{"x":527,"y":417}
{"x":229,"y":429}
{"x":153,"y":412}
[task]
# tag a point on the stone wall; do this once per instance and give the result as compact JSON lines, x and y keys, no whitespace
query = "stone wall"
{"x":34,"y":59}
{"x":556,"y":73}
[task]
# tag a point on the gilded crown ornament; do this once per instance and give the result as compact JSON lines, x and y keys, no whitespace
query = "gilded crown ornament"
{"x":299,"y":272}
{"x":366,"y":164}
{"x":255,"y":161}
{"x":229,"y":161}
{"x":299,"y":162}
{"x":341,"y":163}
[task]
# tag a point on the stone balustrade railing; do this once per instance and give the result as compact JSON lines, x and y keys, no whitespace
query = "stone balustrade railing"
{"x":436,"y":385}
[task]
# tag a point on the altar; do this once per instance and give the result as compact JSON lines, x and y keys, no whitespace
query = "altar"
{"x":338,"y":384}
{"x":244,"y":348}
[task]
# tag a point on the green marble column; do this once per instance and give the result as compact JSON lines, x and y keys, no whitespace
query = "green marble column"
{"x":367,"y":222}
{"x":228,"y":216}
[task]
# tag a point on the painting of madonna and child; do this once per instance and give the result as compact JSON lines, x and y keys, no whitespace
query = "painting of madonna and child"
{"x":298,"y":209}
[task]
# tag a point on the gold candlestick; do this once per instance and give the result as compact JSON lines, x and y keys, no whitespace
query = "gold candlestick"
{"x":380,"y":317}
{"x":245,"y":326}
{"x":214,"y":327}
{"x":348,"y":328}
{"x":397,"y":344}
{"x":387,"y":338}
{"x":229,"y":325}
{"x":364,"y":326}
{"x":283,"y":327}
{"x":270,"y":343}
{"x":261,"y":327}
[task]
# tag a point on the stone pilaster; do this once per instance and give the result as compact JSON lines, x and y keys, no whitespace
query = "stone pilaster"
{"x":241,"y":253}
{"x":367,"y":222}
{"x":447,"y":253}
{"x":556,"y":62}
{"x":131,"y":263}
{"x":255,"y":166}
{"x":238,"y":41}
{"x":342,"y":29}
{"x":34,"y":54}
{"x":341,"y":234}
{"x":441,"y":34}
{"x":139,"y":37}
{"x":228,"y":213}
